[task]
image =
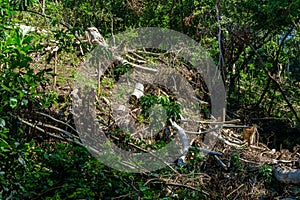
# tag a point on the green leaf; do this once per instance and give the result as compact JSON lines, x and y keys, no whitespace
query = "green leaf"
{"x":2,"y":123}
{"x":6,"y":88}
{"x":22,"y":161}
{"x":28,"y":39}
{"x":24,"y":102}
{"x":4,"y":145}
{"x":13,"y":102}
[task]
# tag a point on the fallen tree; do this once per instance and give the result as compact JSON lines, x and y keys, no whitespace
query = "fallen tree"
{"x":288,"y":176}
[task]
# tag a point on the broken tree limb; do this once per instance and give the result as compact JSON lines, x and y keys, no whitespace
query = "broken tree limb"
{"x":235,"y":190}
{"x":59,"y":121}
{"x":212,"y":122}
{"x":221,"y":163}
{"x":210,"y":152}
{"x":187,"y":186}
{"x":223,"y":139}
{"x":137,"y":93}
{"x":202,"y":132}
{"x":288,"y":176}
{"x":183,"y":138}
{"x":147,"y":69}
{"x":68,"y":139}
{"x":186,"y":145}
{"x":235,"y":126}
{"x":135,"y":60}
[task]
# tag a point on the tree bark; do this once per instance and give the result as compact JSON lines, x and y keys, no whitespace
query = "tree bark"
{"x":287,"y":176}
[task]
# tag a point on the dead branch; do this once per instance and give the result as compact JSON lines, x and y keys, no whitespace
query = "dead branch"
{"x":187,"y":186}
{"x":288,"y":176}
{"x":147,"y":69}
{"x":137,"y":93}
{"x":51,"y":134}
{"x":234,"y":190}
{"x":223,"y":139}
{"x":185,"y":142}
{"x":183,"y":138}
{"x":235,"y":126}
{"x":209,"y":152}
{"x":274,"y":161}
{"x":59,"y":121}
{"x":144,"y":150}
{"x":202,"y":132}
{"x":135,"y":60}
{"x":220,"y":162}
{"x":212,"y":122}
{"x":251,"y":162}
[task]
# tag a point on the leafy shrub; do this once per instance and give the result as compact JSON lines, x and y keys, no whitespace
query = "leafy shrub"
{"x":172,"y":108}
{"x":266,"y":172}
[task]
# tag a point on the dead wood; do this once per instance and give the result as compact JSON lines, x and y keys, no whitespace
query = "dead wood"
{"x":288,"y":176}
{"x":137,"y":93}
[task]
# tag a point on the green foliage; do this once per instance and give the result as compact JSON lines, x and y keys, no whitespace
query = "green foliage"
{"x":18,"y":80}
{"x":7,"y":10}
{"x":107,"y":83}
{"x":171,"y":108}
{"x":266,"y":172}
{"x":194,"y":158}
{"x":19,"y":83}
{"x":120,"y":70}
{"x":38,"y":173}
{"x":235,"y":161}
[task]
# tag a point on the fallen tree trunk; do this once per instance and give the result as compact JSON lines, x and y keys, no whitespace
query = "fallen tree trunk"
{"x":288,"y":176}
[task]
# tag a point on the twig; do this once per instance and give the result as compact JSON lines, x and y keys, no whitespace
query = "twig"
{"x":138,"y":56}
{"x":143,"y":150}
{"x":112,"y":29}
{"x":146,"y":52}
{"x":210,"y":152}
{"x":212,"y":122}
{"x":50,"y":134}
{"x":274,"y":161}
{"x":58,"y":129}
{"x":124,"y":195}
{"x":123,"y":61}
{"x":56,"y":120}
{"x":235,"y":126}
{"x":64,"y":139}
{"x":221,"y":163}
{"x":202,"y":132}
{"x":187,"y":186}
{"x":251,"y":162}
{"x":135,"y":60}
{"x":49,"y":190}
{"x":234,"y":191}
{"x":153,"y":179}
{"x":55,"y":70}
{"x":224,"y":140}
